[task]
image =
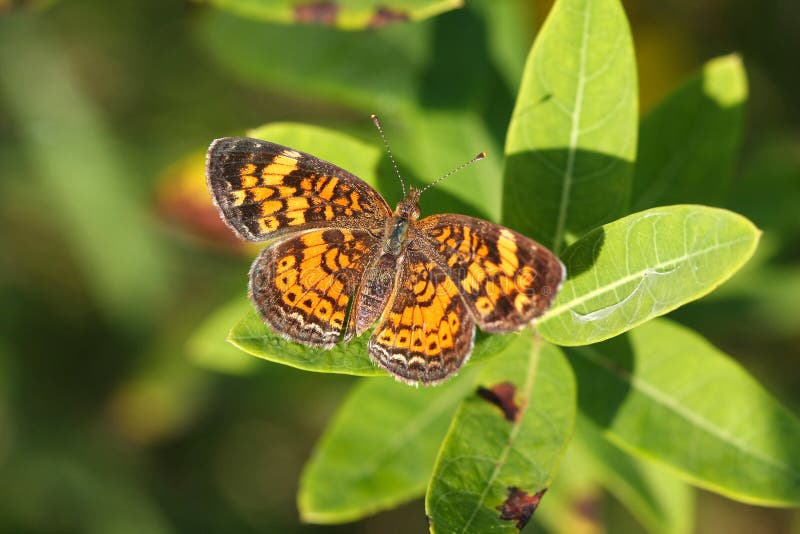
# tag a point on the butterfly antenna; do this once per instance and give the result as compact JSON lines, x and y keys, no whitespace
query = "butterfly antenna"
{"x":389,"y":151}
{"x":470,"y":162}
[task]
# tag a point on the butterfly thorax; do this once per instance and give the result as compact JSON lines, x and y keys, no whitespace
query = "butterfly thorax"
{"x":404,"y":216}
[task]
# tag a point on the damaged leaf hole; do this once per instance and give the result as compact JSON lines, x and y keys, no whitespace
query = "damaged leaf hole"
{"x":502,"y":396}
{"x":316,"y":13}
{"x":519,"y":506}
{"x":385,"y":16}
{"x":325,"y":13}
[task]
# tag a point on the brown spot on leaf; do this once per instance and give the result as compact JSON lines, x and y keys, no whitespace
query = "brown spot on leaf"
{"x":316,"y":13}
{"x":519,"y":506}
{"x":385,"y":16}
{"x":502,"y":396}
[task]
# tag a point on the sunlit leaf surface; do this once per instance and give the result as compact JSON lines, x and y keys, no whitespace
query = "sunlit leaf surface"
{"x":572,"y":139}
{"x":645,"y":265}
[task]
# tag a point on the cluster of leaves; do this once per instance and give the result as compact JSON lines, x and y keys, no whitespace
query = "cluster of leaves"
{"x":641,"y":404}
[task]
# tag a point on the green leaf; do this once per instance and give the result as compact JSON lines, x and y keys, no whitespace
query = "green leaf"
{"x":773,"y":296}
{"x":666,"y":394}
{"x":433,"y":142}
{"x":510,"y":34}
{"x":470,"y":193}
{"x":440,"y":64}
{"x":207,"y":345}
{"x":322,"y":63}
{"x":688,"y":144}
{"x":661,"y":502}
{"x":572,"y":138}
{"x":379,"y":449}
{"x":486,"y":452}
{"x":349,"y":15}
{"x":772,"y":167}
{"x":645,"y":265}
{"x":251,"y":335}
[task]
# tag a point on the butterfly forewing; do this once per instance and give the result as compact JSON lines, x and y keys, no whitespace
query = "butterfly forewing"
{"x":265,"y":190}
{"x":507,"y":279}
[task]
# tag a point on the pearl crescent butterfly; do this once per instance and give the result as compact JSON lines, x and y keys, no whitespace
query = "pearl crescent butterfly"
{"x":339,"y":259}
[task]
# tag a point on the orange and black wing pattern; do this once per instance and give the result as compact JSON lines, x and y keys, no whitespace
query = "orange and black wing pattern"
{"x":265,"y":190}
{"x":507,"y":279}
{"x":426,"y":332}
{"x":302,"y":286}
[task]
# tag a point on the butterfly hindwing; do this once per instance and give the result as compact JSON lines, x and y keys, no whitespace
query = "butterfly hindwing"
{"x":426,"y":333}
{"x":302,"y":285}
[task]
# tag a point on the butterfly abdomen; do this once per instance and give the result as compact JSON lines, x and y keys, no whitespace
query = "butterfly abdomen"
{"x":375,"y":290}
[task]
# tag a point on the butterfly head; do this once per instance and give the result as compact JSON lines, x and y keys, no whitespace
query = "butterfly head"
{"x":408,"y":208}
{"x":412,"y":197}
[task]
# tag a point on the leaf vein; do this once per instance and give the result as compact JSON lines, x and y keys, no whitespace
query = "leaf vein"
{"x":558,"y":310}
{"x":684,"y":411}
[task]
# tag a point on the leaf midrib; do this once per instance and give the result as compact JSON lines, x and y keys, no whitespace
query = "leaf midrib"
{"x":533,"y":361}
{"x":566,"y":188}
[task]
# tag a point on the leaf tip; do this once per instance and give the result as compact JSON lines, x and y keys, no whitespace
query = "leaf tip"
{"x":231,"y":337}
{"x":725,"y":80}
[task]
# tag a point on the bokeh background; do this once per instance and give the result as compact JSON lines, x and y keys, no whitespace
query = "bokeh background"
{"x":121,"y":408}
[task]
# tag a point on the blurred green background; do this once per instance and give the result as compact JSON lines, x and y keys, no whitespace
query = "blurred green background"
{"x":121,"y":410}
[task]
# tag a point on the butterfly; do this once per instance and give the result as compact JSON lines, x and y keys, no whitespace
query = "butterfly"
{"x":339,"y":259}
